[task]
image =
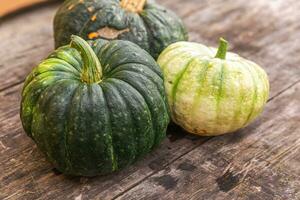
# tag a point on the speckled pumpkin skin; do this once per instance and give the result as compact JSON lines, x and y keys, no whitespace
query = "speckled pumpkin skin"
{"x":90,"y":129}
{"x":153,"y":29}
{"x":211,"y":96}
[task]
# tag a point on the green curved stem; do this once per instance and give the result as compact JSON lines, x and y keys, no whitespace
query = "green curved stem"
{"x":222,"y":50}
{"x":92,"y":70}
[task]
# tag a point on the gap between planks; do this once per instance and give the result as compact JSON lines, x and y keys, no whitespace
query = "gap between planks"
{"x":242,"y":170}
{"x":274,"y":96}
{"x":158,"y":170}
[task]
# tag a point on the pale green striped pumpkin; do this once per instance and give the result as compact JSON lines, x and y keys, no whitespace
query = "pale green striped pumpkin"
{"x":212,"y":92}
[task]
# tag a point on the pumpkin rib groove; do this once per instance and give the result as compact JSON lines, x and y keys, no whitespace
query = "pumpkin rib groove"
{"x":154,"y":14}
{"x":119,"y":83}
{"x":151,"y":8}
{"x":135,"y":89}
{"x":61,"y":63}
{"x":239,"y":105}
{"x":254,"y":95}
{"x":43,"y":104}
{"x":177,"y":81}
{"x":37,"y":100}
{"x":220,"y":92}
{"x":91,"y":155}
{"x":111,"y":54}
{"x":130,"y":116}
{"x":113,"y":151}
{"x":118,"y":45}
{"x":55,"y":73}
{"x":144,"y":64}
{"x":27,"y":91}
{"x":102,"y":51}
{"x":68,"y":67}
{"x":145,"y":145}
{"x":66,"y":110}
{"x":105,"y":149}
{"x":154,"y":116}
{"x":98,"y":46}
{"x":165,"y":53}
{"x":75,"y":103}
{"x":59,"y":53}
{"x":77,"y":57}
{"x":68,"y":158}
{"x":107,"y":126}
{"x":85,"y":153}
{"x":33,"y":111}
{"x":202,"y":78}
{"x":45,"y":143}
{"x":32,"y":82}
{"x":124,"y":48}
{"x":147,"y":105}
{"x":70,"y":74}
{"x":153,"y":19}
{"x":132,"y":124}
{"x":57,"y":62}
{"x":156,"y":85}
{"x":161,"y":90}
{"x":125,"y":151}
{"x":116,"y":70}
{"x":151,"y":113}
{"x":151,"y":37}
{"x":172,"y":59}
{"x":262,"y":79}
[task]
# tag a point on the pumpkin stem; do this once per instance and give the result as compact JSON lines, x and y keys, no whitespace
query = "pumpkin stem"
{"x":222,"y":50}
{"x":135,"y":6}
{"x":92,"y":70}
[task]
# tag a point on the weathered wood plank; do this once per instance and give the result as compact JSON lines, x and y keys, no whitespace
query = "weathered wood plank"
{"x":263,"y":31}
{"x":248,"y":26}
{"x":25,"y":169}
{"x":30,"y":175}
{"x":260,"y":162}
{"x":25,"y":40}
{"x":8,"y":6}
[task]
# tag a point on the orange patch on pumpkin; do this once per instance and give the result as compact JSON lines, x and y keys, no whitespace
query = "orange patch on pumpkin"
{"x":94,"y":17}
{"x":93,"y":35}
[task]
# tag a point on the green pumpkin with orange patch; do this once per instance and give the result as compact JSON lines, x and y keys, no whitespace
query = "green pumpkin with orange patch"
{"x":147,"y":24}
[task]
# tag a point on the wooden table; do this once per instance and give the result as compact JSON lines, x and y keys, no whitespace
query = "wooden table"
{"x":261,"y":161}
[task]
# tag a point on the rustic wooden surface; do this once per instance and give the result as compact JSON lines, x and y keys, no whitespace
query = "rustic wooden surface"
{"x":261,"y":161}
{"x":9,"y":7}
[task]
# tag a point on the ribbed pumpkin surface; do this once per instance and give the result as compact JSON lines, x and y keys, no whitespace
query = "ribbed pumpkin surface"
{"x":95,"y":128}
{"x":153,"y":29}
{"x":208,"y":95}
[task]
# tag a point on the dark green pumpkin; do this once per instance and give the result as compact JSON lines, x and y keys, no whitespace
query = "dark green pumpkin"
{"x":95,"y":108}
{"x":153,"y":28}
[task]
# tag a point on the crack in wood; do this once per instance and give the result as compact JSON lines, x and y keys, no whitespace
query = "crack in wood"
{"x":230,"y":179}
{"x":156,"y":171}
{"x":239,"y":27}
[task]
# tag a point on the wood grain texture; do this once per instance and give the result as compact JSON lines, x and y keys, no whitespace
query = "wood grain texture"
{"x":258,"y":162}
